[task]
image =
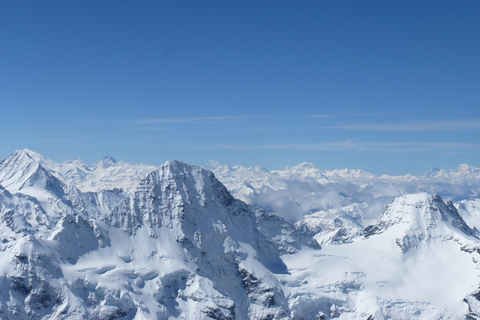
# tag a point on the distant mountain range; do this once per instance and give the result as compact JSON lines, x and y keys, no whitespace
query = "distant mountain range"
{"x":123,"y":241}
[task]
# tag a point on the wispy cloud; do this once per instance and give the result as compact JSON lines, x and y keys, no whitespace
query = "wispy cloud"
{"x":60,"y":140}
{"x":331,"y":122}
{"x":258,"y":129}
{"x":319,"y":116}
{"x":173,"y":120}
{"x":345,"y":146}
{"x":212,"y":164}
{"x":148,"y":128}
{"x":182,"y":120}
{"x":437,"y":125}
{"x":346,"y":115}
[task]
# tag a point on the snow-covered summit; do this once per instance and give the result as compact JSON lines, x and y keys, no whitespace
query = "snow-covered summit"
{"x":167,"y":191}
{"x":419,"y":261}
{"x":17,"y":169}
{"x":421,"y":217}
{"x":34,"y":155}
{"x":464,"y":171}
{"x":187,"y":199}
{"x":105,"y":162}
{"x":21,"y":173}
{"x":218,"y":238}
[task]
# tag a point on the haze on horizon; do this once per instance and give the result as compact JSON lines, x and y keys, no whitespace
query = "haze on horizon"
{"x":385,"y":87}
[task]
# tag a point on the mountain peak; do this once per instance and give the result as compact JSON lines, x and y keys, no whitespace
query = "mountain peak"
{"x":416,"y":217}
{"x":177,"y":164}
{"x":258,"y":169}
{"x":183,"y":186}
{"x":106,"y":162}
{"x":306,"y":165}
{"x":22,"y":155}
{"x":32,"y":154}
{"x":186,"y":198}
{"x":433,"y":170}
{"x":421,"y":208}
{"x":16,"y":169}
{"x":467,"y":168}
{"x":187,"y":204}
{"x":464,"y":171}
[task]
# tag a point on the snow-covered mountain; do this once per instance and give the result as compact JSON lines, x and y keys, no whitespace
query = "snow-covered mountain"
{"x":418,"y":261}
{"x":336,"y":205}
{"x":106,"y":174}
{"x":176,"y":244}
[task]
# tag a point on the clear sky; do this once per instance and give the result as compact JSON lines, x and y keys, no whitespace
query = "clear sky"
{"x":386,"y":86}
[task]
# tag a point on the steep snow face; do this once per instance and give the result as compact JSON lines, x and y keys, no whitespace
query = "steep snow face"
{"x":17,"y":170}
{"x":21,"y":174}
{"x":470,"y":211}
{"x":21,"y":214}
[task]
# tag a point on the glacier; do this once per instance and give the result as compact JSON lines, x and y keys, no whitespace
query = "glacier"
{"x":122,"y":241}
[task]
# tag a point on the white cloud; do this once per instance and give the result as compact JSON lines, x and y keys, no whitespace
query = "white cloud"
{"x":212,"y":164}
{"x":346,"y":115}
{"x":321,"y":116}
{"x":185,"y":120}
{"x":434,"y":125}
{"x":352,"y":146}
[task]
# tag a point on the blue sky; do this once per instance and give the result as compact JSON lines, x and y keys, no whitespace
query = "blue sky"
{"x":386,"y":86}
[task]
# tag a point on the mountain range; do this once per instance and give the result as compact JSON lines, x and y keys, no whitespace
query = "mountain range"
{"x":121,"y":241}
